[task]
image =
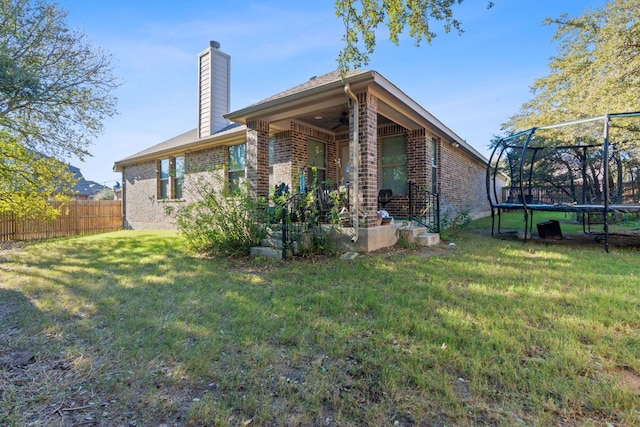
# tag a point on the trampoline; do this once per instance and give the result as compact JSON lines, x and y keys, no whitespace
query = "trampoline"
{"x":590,"y":167}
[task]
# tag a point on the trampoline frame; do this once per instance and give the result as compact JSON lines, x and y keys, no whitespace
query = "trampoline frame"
{"x":528,"y":207}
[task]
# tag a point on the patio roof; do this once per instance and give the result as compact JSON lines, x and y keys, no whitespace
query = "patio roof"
{"x":326,"y":94}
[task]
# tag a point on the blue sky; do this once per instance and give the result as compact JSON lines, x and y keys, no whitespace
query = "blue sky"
{"x":472,"y":83}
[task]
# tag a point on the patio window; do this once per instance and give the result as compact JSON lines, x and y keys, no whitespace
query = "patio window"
{"x":317,"y":155}
{"x":237,"y":164}
{"x":394,"y":164}
{"x":171,"y":177}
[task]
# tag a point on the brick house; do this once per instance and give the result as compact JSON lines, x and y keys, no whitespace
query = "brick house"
{"x":277,"y":139}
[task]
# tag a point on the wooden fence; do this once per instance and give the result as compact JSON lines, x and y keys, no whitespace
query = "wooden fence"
{"x":77,"y":217}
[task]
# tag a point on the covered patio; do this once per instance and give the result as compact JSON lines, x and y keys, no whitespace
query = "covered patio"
{"x":360,"y":134}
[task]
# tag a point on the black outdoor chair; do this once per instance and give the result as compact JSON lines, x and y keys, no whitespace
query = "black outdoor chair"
{"x":384,"y":197}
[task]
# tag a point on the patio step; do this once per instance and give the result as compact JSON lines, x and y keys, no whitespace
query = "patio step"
{"x":428,"y":239}
{"x":270,"y":247}
{"x":419,"y":235}
{"x":266,"y":252}
{"x":272,"y":242}
{"x":409,"y":234}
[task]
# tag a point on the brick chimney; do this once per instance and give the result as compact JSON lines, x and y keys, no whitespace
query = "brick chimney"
{"x":214,"y":70}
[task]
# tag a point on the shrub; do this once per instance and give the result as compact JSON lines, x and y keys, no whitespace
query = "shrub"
{"x":220,"y":221}
{"x":453,"y":219}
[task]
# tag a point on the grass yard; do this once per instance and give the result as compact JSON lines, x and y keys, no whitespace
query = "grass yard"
{"x":128,"y":328}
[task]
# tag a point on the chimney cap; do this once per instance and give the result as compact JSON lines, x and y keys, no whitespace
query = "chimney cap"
{"x":214,"y":44}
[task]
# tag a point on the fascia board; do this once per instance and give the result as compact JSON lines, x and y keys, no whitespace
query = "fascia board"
{"x":236,"y":137}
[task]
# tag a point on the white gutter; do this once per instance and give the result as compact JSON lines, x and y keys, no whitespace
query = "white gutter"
{"x":354,"y":160}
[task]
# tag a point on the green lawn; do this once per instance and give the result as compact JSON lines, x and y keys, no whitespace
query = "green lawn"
{"x":128,"y":328}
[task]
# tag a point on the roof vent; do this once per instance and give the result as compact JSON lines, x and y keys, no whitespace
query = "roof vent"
{"x":313,"y":78}
{"x":214,"y":44}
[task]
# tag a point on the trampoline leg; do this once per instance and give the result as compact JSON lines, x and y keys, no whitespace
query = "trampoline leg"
{"x":531,"y":223}
{"x":493,"y":220}
{"x":526,"y":224}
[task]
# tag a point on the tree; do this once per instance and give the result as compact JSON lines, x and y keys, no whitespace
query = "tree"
{"x":362,"y":17}
{"x":105,"y":194}
{"x":596,"y":70}
{"x":55,"y":91}
{"x":30,"y":180}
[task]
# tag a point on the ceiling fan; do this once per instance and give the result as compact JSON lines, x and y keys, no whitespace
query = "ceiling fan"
{"x":343,"y":120}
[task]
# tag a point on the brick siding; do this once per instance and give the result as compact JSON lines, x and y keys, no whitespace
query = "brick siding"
{"x":368,"y":168}
{"x":462,"y":180}
{"x":461,"y":177}
{"x":258,"y":157}
{"x":143,"y":209}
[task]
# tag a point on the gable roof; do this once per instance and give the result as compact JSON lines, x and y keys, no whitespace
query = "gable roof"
{"x":317,"y":89}
{"x":190,"y":140}
{"x":325,"y":85}
{"x":168,"y":145}
{"x":82,"y":186}
{"x":314,"y":89}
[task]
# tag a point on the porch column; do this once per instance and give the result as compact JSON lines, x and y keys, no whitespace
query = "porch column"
{"x":282,"y":159}
{"x":299,"y":157}
{"x":418,"y":157}
{"x":258,"y":157}
{"x":368,"y":168}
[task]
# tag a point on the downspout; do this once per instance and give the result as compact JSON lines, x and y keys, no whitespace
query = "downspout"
{"x":354,"y":160}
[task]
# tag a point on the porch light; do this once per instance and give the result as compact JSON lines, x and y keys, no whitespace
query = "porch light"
{"x":318,"y":117}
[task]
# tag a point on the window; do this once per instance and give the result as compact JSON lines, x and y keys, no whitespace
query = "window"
{"x":171,"y":178}
{"x":434,"y":165}
{"x":317,"y":155}
{"x":394,"y":164}
{"x":165,"y":173}
{"x":179,"y":177}
{"x":237,"y":164}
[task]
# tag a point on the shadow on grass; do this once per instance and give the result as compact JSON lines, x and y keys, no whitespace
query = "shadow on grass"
{"x":492,"y":333}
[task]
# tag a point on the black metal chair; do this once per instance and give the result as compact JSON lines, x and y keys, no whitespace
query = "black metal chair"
{"x":384,"y":197}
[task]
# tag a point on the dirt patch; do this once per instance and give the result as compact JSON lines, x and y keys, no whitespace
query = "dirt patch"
{"x":441,"y":249}
{"x":629,"y":379}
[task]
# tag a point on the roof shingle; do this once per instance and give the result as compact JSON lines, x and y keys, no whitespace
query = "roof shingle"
{"x":312,"y":83}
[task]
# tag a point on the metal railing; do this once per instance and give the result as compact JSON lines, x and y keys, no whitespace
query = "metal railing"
{"x":293,"y":219}
{"x":424,"y":206}
{"x":300,"y":212}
